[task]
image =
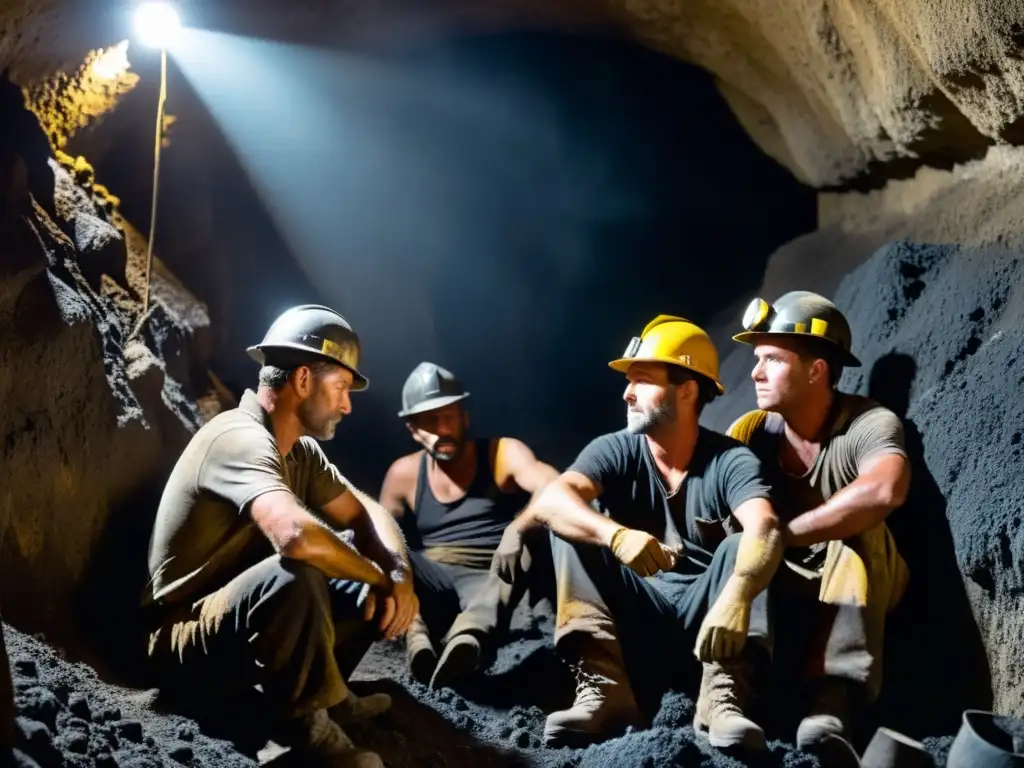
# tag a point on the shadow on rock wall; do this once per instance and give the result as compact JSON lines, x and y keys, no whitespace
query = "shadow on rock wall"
{"x":944,"y":326}
{"x":935,"y":665}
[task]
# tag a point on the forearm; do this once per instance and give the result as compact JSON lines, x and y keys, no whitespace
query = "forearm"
{"x":320,"y":547}
{"x":383,"y":538}
{"x":571,"y":518}
{"x":857,"y":508}
{"x":758,"y":557}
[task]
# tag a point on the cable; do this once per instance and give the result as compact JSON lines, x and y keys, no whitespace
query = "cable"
{"x":156,"y":185}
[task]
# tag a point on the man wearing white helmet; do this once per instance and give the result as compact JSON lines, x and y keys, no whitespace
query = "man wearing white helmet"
{"x":838,"y":467}
{"x":266,"y":567}
{"x":456,"y":496}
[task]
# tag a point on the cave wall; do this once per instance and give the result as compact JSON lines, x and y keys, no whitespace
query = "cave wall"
{"x":94,"y":412}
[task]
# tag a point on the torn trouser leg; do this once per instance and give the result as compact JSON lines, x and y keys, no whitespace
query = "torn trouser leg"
{"x":280,"y":624}
{"x":639,"y":631}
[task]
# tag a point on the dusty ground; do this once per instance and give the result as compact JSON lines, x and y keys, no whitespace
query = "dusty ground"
{"x":67,"y":717}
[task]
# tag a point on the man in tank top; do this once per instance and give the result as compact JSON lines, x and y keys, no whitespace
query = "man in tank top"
{"x":454,"y":498}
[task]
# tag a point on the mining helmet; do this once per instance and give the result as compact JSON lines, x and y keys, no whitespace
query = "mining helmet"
{"x":799,"y":313}
{"x":307,"y":333}
{"x":428,"y":387}
{"x":675,"y":341}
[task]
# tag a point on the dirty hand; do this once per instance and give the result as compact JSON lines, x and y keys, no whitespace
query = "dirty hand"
{"x":377,"y":594}
{"x":506,"y":557}
{"x":641,"y":552}
{"x":400,"y":606}
{"x":724,"y":630}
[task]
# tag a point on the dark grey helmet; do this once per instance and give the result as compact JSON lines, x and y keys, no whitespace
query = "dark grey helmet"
{"x":799,"y":313}
{"x":310,"y":332}
{"x":429,"y":386}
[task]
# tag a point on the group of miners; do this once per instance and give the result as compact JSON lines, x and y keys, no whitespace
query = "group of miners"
{"x":675,"y":550}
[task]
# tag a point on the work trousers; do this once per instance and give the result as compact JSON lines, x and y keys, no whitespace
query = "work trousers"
{"x":655,"y":619}
{"x":815,"y":640}
{"x":456,"y":599}
{"x":281,"y":625}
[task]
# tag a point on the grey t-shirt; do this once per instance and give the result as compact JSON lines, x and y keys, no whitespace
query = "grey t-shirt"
{"x":203,"y":536}
{"x":722,"y":475}
{"x":859,"y":429}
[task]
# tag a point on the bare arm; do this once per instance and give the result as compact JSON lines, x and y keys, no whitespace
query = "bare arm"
{"x":376,"y":531}
{"x":516,"y":467}
{"x":396,"y":490}
{"x":564,"y":507}
{"x":881,"y":487}
{"x":296,"y":533}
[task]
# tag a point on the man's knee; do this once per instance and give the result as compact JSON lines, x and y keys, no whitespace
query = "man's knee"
{"x":293,"y":587}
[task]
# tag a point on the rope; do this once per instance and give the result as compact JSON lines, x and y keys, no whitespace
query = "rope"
{"x":156,"y":184}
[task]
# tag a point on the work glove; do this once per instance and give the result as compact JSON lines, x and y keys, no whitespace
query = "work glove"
{"x":723,"y":633}
{"x":505,"y":562}
{"x":641,"y":552}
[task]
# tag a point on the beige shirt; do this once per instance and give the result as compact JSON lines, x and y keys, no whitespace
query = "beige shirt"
{"x":203,"y":535}
{"x":859,"y":429}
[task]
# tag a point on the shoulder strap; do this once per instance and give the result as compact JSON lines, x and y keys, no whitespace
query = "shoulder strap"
{"x":747,"y":425}
{"x":421,"y":483}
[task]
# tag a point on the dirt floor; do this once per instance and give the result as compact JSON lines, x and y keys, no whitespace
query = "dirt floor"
{"x":67,"y":717}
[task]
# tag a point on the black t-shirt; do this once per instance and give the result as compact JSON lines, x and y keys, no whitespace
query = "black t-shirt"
{"x":723,"y":474}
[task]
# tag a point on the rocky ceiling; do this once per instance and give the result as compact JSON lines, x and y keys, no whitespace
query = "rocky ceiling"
{"x":844,"y":93}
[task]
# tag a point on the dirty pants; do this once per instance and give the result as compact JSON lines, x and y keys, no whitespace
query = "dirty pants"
{"x":281,"y":624}
{"x":813,"y":640}
{"x":655,"y":619}
{"x":456,"y":599}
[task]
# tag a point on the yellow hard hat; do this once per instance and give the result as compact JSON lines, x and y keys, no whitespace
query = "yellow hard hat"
{"x":675,"y":341}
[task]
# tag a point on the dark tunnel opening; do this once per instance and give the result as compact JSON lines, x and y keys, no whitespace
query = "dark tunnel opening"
{"x":597,"y":185}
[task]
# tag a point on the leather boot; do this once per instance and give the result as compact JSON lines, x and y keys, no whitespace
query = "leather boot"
{"x":725,"y":692}
{"x":461,"y":656}
{"x":604,"y":704}
{"x":316,"y":740}
{"x":355,"y":708}
{"x":827,"y":716}
{"x":419,"y":650}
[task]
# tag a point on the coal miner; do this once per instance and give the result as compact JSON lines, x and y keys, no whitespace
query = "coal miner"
{"x":456,"y":496}
{"x":678,"y":563}
{"x":837,"y":466}
{"x":267,"y":570}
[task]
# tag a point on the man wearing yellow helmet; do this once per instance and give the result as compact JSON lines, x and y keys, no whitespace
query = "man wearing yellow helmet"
{"x":665,"y":569}
{"x":837,"y":466}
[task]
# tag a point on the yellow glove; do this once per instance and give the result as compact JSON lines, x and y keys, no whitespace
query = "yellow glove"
{"x":723,"y":632}
{"x":641,"y":552}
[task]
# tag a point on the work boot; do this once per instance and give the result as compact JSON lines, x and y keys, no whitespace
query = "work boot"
{"x":604,"y":704}
{"x":355,"y":708}
{"x":419,"y":651}
{"x":461,"y":655}
{"x":316,"y":740}
{"x":827,"y":715}
{"x":725,"y":692}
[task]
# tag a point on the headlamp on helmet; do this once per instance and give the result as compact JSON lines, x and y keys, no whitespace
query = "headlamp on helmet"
{"x":758,"y":316}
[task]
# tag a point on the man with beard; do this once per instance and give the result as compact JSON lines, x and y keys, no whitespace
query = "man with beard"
{"x":838,"y":467}
{"x":455,"y":498}
{"x":267,"y":570}
{"x":666,"y":569}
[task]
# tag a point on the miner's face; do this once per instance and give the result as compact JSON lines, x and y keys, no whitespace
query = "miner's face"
{"x":442,"y":431}
{"x":324,"y":399}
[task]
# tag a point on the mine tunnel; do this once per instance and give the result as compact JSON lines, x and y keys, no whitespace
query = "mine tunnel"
{"x":510,"y":191}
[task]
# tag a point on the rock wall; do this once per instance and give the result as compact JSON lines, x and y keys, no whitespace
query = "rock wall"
{"x":846,"y":93}
{"x":98,"y":400}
